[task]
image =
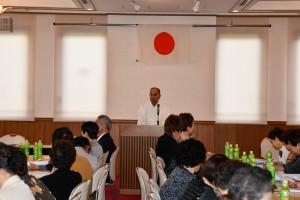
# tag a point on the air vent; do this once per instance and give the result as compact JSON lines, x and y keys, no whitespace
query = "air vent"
{"x":6,"y":24}
{"x":243,"y":2}
{"x":84,"y":1}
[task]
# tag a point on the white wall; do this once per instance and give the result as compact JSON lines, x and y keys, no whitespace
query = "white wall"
{"x":185,"y":88}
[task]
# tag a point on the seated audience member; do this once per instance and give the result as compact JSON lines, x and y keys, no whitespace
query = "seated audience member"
{"x":82,"y":146}
{"x":294,"y":141}
{"x":62,"y":180}
{"x":166,"y":144}
{"x":90,"y":131}
{"x":264,"y":146}
{"x":11,"y":186}
{"x":104,"y":137}
{"x":275,"y":137}
{"x":81,"y":164}
{"x":39,"y":190}
{"x":187,"y":126}
{"x":183,"y":182}
{"x":225,"y":172}
{"x":291,"y":156}
{"x":209,"y":169}
{"x":252,"y":183}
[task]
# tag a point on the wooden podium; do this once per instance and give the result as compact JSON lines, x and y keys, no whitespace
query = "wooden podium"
{"x":135,"y":141}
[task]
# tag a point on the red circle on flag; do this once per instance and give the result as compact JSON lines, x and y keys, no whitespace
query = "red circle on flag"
{"x":164,"y":43}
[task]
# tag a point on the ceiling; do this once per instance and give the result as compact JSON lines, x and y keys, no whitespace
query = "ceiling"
{"x":159,"y":7}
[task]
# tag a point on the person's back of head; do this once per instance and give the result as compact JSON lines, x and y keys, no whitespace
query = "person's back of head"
{"x":60,"y":133}
{"x":211,"y":165}
{"x":294,"y":137}
{"x":190,"y":153}
{"x":276,"y":133}
{"x":63,"y":154}
{"x":19,"y":160}
{"x":251,"y":183}
{"x":187,"y":120}
{"x":172,"y":124}
{"x":8,"y":162}
{"x":287,"y":135}
{"x":91,"y":129}
{"x":80,"y":141}
{"x":225,"y":172}
{"x":104,"y":120}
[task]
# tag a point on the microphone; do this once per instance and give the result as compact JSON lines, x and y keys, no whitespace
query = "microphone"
{"x":158,"y":114}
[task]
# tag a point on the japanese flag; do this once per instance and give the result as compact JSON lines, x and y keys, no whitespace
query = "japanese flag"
{"x":164,"y":43}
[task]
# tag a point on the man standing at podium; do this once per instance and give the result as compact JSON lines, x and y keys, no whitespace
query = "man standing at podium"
{"x":153,"y":112}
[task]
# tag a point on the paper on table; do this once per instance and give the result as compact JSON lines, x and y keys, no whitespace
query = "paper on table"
{"x":280,"y":176}
{"x":40,"y":162}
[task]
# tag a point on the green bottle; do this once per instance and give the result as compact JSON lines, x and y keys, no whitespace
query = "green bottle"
{"x":271,"y":168}
{"x":26,"y":146}
{"x":230,"y":152}
{"x":268,"y":155}
{"x":285,"y":191}
{"x":226,"y":149}
{"x":244,"y":157}
{"x":35,"y":151}
{"x":40,"y":150}
{"x":236,"y":152}
{"x":253,"y":163}
{"x":251,"y":156}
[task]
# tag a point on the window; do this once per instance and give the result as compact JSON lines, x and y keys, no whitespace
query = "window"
{"x":80,"y":90}
{"x":241,"y":76}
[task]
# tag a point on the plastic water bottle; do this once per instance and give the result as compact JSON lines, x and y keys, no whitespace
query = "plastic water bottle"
{"x":40,"y":150}
{"x":251,"y":156}
{"x":244,"y":157}
{"x":230,"y":152}
{"x":268,"y":155}
{"x":253,"y":163}
{"x":271,"y":168}
{"x":26,"y":146}
{"x":226,"y":149}
{"x":236,"y":152}
{"x":285,"y":191}
{"x":35,"y":151}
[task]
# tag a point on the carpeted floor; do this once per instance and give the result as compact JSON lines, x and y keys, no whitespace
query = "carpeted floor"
{"x":108,"y":195}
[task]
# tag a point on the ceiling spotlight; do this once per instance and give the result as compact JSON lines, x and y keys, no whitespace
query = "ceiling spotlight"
{"x":196,"y":7}
{"x":135,"y":6}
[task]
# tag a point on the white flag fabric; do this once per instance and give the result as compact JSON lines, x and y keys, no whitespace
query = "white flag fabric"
{"x":164,"y":43}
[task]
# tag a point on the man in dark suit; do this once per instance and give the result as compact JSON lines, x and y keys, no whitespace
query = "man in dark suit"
{"x":104,"y":138}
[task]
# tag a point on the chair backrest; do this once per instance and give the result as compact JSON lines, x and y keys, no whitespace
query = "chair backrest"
{"x":112,"y":165}
{"x":153,"y":196}
{"x":144,"y":182}
{"x":98,"y":175}
{"x":12,"y":139}
{"x":100,"y":191}
{"x":154,"y":188}
{"x":102,"y":160}
{"x":82,"y":188}
{"x":152,"y":156}
{"x":161,"y":174}
{"x":161,"y":161}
